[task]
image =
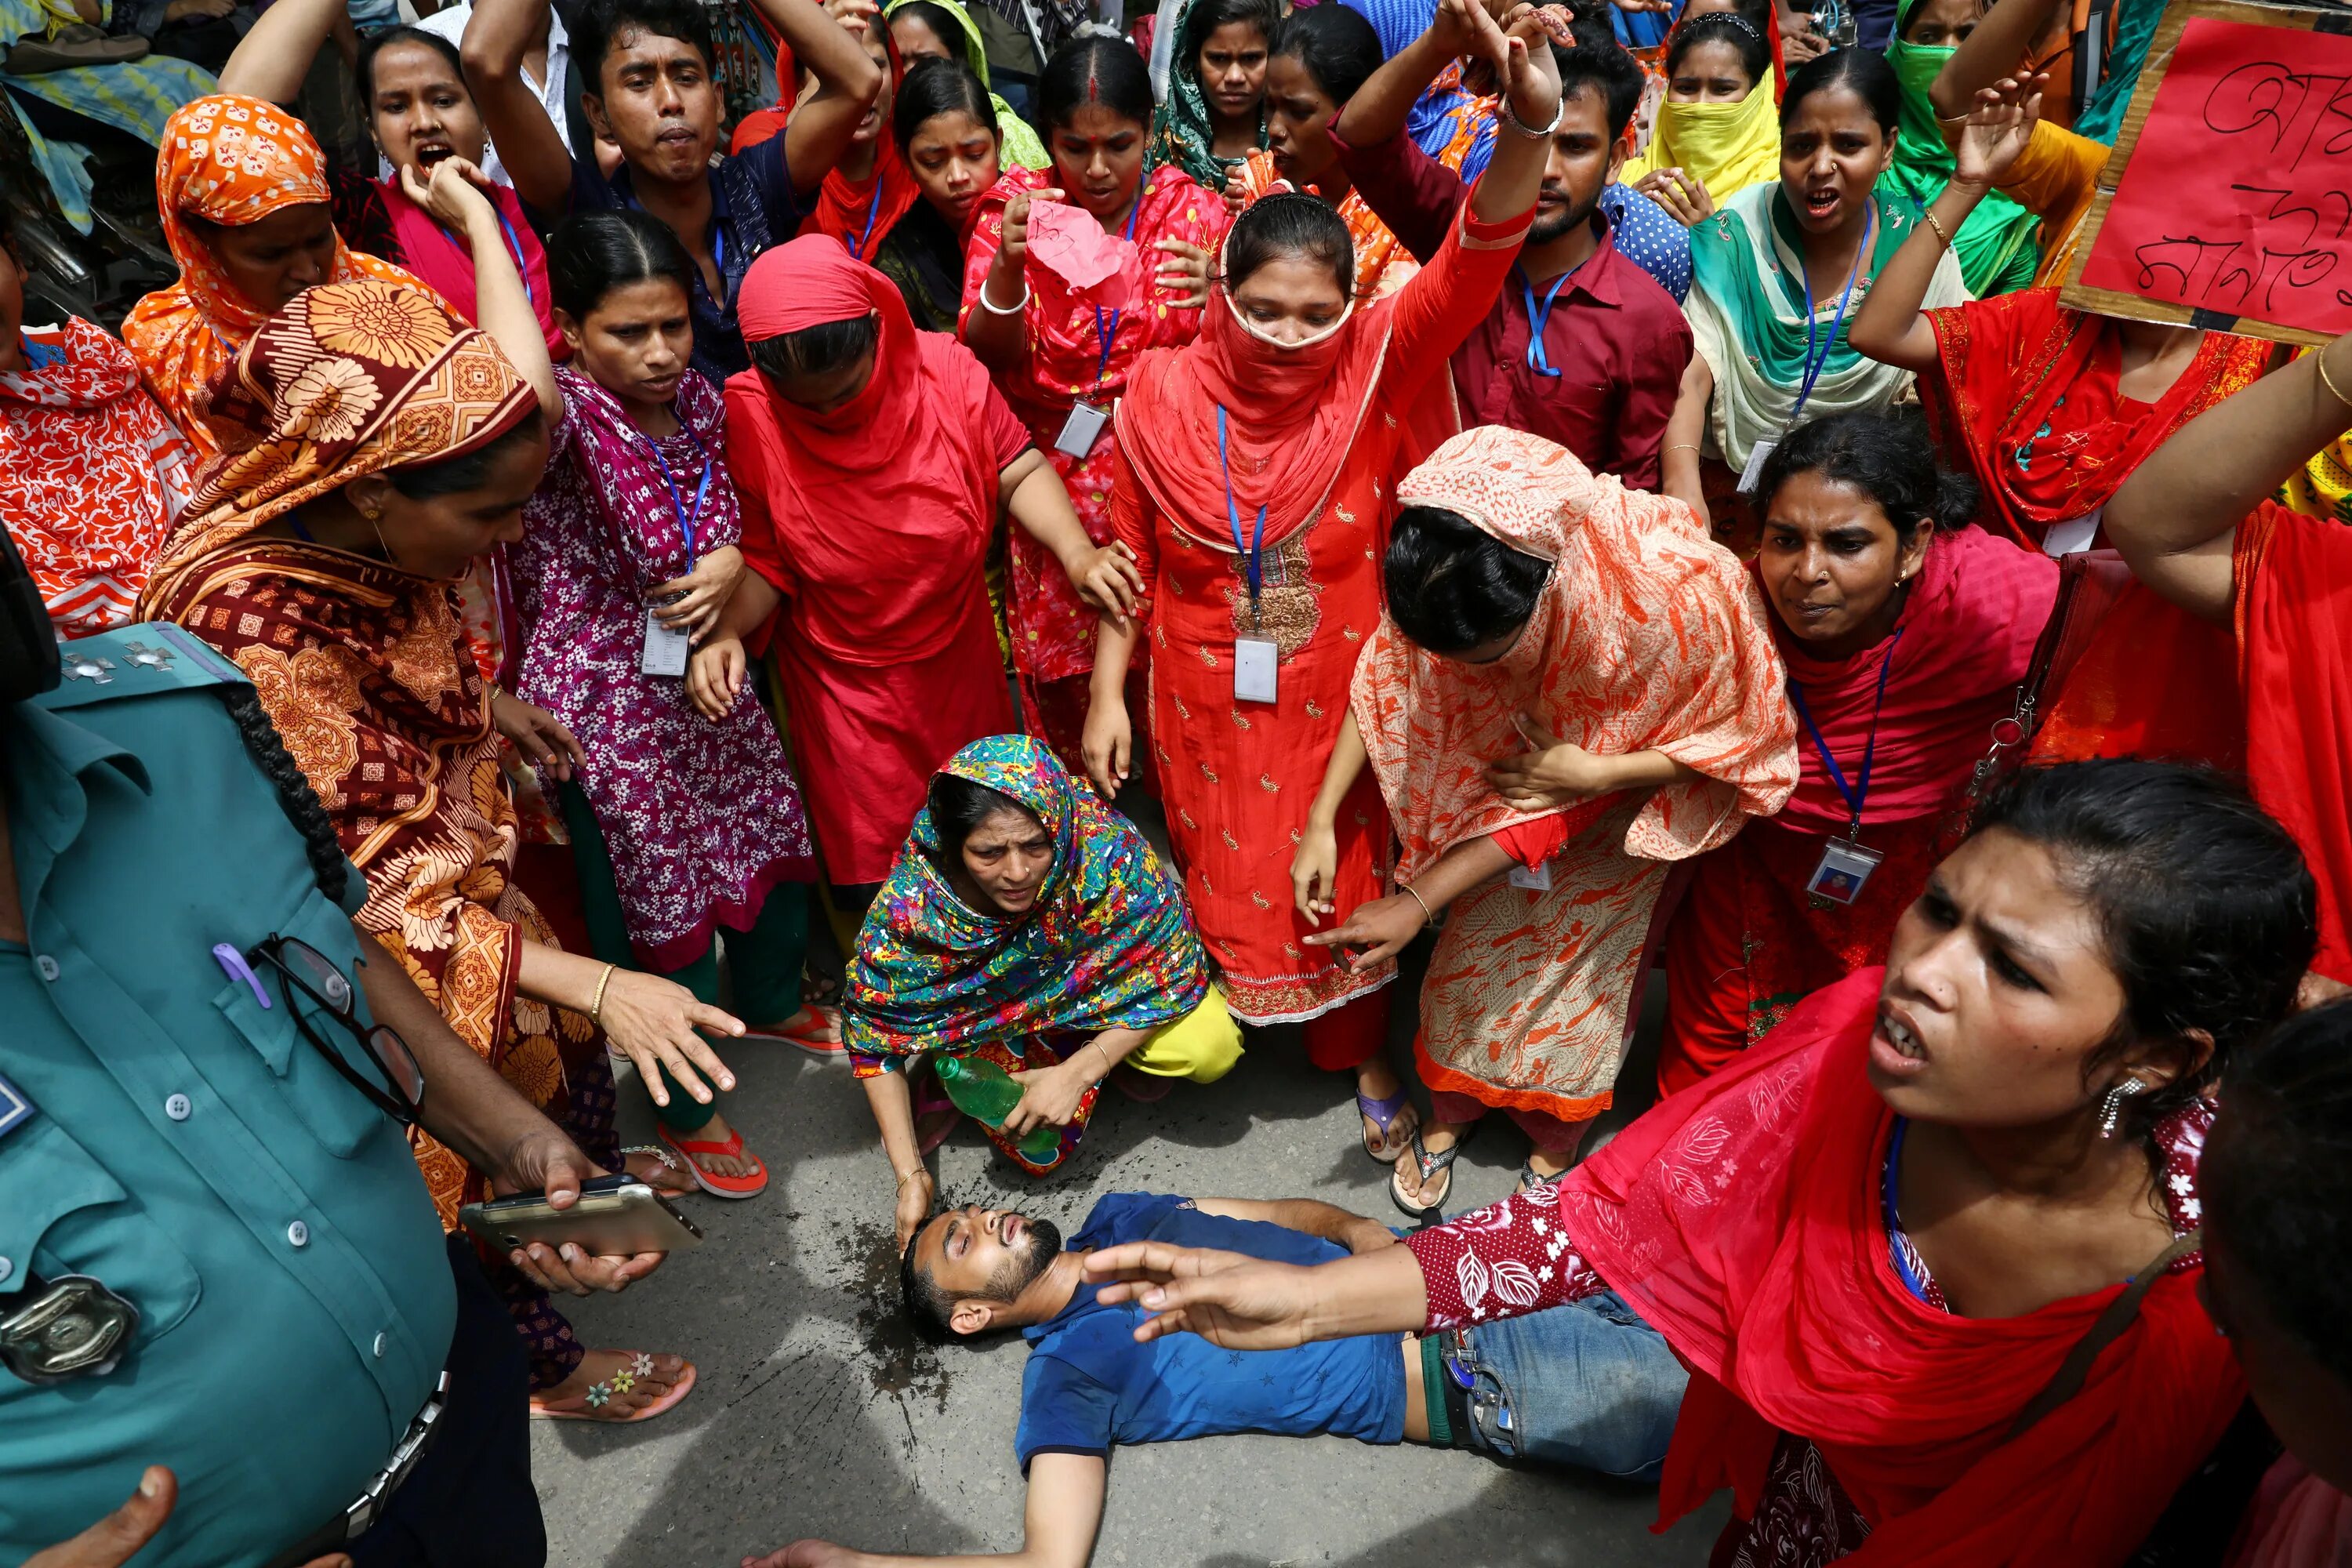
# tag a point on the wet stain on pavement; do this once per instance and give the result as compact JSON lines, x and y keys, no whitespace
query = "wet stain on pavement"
{"x":897,"y":1361}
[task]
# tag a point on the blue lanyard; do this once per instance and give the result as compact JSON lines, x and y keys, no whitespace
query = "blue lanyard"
{"x":1233,"y":516}
{"x":514,"y":248}
{"x":686,"y":520}
{"x":1813,"y":367}
{"x":1856,"y":793}
{"x":873,"y":211}
{"x":1105,"y":334}
{"x":1538,"y":321}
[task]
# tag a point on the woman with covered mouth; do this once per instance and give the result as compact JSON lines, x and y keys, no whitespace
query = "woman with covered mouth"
{"x":1930,"y":1250}
{"x":1779,"y":273}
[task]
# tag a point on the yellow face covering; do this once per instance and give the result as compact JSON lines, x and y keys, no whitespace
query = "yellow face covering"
{"x":1727,"y":147}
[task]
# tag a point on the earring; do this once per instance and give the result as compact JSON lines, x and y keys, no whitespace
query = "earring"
{"x":2111,"y":1109}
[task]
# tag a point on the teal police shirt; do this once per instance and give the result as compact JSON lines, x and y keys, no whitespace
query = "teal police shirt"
{"x":184,"y":1145}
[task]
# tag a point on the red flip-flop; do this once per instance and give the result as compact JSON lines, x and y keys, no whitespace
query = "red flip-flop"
{"x":711,"y":1182}
{"x":807,"y":1036}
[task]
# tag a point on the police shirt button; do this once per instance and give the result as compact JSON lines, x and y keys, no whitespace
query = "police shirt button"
{"x":177,"y":1108}
{"x":7,"y":1267}
{"x":380,"y":1342}
{"x":46,"y":965}
{"x":299,"y":1234}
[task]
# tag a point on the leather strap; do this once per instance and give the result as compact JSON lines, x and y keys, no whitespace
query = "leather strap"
{"x":2072,"y":1373}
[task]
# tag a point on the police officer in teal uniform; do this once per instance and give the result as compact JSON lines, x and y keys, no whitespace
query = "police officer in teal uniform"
{"x":216,"y":1255}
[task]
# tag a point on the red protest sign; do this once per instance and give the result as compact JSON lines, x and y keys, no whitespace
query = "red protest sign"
{"x":2233,"y":206}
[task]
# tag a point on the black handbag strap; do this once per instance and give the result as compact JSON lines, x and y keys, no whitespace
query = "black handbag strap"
{"x":2068,"y":1380}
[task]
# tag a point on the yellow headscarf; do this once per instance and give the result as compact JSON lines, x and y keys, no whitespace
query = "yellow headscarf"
{"x":1727,"y":147}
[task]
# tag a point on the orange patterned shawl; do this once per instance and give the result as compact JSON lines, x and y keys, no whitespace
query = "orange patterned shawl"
{"x":229,"y":160}
{"x":1648,"y":634}
{"x":361,"y":666}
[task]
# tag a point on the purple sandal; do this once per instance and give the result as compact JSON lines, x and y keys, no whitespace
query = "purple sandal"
{"x":1385,"y":1114}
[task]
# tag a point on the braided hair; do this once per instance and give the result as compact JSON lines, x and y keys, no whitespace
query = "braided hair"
{"x":300,"y":802}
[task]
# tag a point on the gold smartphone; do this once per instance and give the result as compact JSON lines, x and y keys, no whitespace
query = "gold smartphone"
{"x":616,"y":1214}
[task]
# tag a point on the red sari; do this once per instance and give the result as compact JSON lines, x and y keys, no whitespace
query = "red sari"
{"x":1053,"y":631}
{"x":1323,"y":433}
{"x":872,"y":521}
{"x":1748,"y":942}
{"x":2295,"y":657}
{"x":1745,"y":1219}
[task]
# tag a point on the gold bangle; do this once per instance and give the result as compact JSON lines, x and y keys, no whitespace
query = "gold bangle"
{"x":596,"y":1008}
{"x":1430,"y":918}
{"x":1679,"y":446}
{"x":1937,"y":225}
{"x":2320,"y":359}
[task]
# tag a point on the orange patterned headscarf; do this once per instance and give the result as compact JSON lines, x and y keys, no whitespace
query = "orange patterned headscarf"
{"x":348,"y":379}
{"x":231,"y":161}
{"x":1648,"y":634}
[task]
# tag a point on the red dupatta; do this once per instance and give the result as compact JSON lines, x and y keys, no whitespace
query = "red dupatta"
{"x":2295,"y":657}
{"x":871,"y":518}
{"x":1741,"y":1218}
{"x":436,"y":256}
{"x":861,"y":213}
{"x":1967,"y":633}
{"x":2023,"y":375}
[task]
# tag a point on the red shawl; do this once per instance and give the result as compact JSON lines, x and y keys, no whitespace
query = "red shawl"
{"x":872,"y":519}
{"x":2295,"y":657}
{"x":1741,"y":1218}
{"x":2010,"y":363}
{"x":859,"y":212}
{"x":1967,"y":632}
{"x":430,"y":252}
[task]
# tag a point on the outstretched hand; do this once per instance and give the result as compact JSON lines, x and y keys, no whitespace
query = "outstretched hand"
{"x":1378,"y":930}
{"x":2000,"y":125}
{"x":1229,"y":1298}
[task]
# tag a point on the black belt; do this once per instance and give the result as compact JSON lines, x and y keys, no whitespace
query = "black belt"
{"x":356,"y":1518}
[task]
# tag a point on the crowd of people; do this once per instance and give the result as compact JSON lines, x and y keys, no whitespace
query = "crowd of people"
{"x":1116,"y":536}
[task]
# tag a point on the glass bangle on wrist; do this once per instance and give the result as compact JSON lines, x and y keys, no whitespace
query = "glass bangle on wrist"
{"x":1510,"y":117}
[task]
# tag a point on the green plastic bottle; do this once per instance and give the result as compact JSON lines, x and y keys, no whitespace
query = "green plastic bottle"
{"x":986,"y":1093}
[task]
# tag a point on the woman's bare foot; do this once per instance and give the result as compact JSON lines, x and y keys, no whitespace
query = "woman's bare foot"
{"x":658,"y":1169}
{"x":1376,"y":1081}
{"x":716,"y":1131}
{"x":611,"y":1385}
{"x":1429,"y":1192}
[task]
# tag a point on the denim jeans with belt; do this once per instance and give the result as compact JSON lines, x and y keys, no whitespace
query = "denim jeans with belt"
{"x":1588,"y":1383}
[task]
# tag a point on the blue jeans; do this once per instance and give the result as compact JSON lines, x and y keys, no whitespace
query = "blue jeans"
{"x":1588,"y":1383}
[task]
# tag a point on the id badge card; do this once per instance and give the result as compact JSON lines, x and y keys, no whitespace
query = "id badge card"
{"x":1534,"y":878}
{"x":667,"y":648}
{"x":1082,"y":429}
{"x":1253,"y":667}
{"x":1753,"y":474}
{"x":1844,"y":870}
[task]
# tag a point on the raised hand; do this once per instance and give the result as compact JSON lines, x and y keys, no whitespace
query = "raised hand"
{"x":1684,"y":197}
{"x":455,"y":194}
{"x":1999,"y":126}
{"x":655,"y":1022}
{"x":1185,"y":270}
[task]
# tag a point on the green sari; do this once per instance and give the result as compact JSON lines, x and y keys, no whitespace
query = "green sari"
{"x":1996,"y":246}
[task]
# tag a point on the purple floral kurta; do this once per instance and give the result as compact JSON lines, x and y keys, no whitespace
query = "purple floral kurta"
{"x":701,"y":818}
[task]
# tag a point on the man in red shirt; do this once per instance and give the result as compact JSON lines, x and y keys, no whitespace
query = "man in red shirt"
{"x":1583,"y":347}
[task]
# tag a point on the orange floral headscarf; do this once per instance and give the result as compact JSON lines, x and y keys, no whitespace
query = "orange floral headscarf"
{"x":1647,"y":635}
{"x":347,"y":380}
{"x":231,"y":161}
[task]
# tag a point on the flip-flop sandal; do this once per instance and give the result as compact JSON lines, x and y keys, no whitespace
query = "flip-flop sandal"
{"x":1385,"y":1113}
{"x":1530,"y":1177}
{"x":1429,"y":1165}
{"x":711,"y":1182}
{"x":807,"y":1037}
{"x":599,"y":1395}
{"x":819,"y":989}
{"x":669,"y":1161}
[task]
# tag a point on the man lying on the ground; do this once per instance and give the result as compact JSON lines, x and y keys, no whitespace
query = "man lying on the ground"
{"x":1587,"y":1385}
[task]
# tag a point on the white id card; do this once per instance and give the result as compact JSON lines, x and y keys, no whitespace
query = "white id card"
{"x":1844,"y":869}
{"x":1754,"y":472}
{"x":1254,"y":665}
{"x":667,"y":648}
{"x":1534,"y":878}
{"x":1082,"y":429}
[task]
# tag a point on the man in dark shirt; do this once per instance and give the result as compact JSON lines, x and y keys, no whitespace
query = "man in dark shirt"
{"x":1587,"y":1384}
{"x":1582,"y":347}
{"x":651,"y":92}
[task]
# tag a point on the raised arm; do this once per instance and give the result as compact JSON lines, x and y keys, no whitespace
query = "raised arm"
{"x":498,"y":36}
{"x":501,"y":302}
{"x":1508,"y":189}
{"x":1381,"y":107}
{"x":846,"y":82}
{"x":270,"y":61}
{"x":1063,"y":1514}
{"x":1999,"y":47}
{"x":2176,"y":519}
{"x":1890,"y":327}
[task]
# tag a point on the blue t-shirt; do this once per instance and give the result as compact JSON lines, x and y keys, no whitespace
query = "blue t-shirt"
{"x":752,"y":206}
{"x":1088,"y":1384}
